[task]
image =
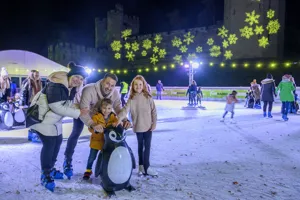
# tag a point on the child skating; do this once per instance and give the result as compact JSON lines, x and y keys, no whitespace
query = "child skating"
{"x":230,"y":103}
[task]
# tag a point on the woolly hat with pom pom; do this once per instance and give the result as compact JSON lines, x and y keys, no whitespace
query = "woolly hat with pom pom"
{"x":76,"y":70}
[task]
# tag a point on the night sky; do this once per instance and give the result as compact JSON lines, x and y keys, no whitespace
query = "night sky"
{"x":32,"y":25}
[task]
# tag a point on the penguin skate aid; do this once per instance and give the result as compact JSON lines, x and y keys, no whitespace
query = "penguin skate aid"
{"x":115,"y":162}
{"x":87,"y":98}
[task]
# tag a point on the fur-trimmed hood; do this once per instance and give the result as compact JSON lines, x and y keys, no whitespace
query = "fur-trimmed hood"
{"x":59,"y":77}
{"x":267,"y":80}
{"x":286,"y":78}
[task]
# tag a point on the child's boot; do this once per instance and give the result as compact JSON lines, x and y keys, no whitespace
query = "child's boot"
{"x":151,"y":171}
{"x":141,"y":170}
{"x":56,"y":174}
{"x":68,"y":169}
{"x":265,"y":114}
{"x":47,"y":181}
{"x":87,"y":174}
{"x":270,"y":115}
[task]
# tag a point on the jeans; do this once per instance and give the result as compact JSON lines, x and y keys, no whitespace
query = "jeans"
{"x":232,"y":114}
{"x":92,"y":157}
{"x":123,"y":99}
{"x":158,"y":95}
{"x":270,"y":106}
{"x":50,"y":149}
{"x":144,"y":144}
{"x":285,"y":107}
{"x":72,"y":140}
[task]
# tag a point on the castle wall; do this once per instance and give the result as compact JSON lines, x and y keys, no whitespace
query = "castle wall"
{"x":100,"y":33}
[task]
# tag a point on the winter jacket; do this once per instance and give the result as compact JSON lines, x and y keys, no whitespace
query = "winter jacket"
{"x":268,"y":90}
{"x":256,"y":91}
{"x":5,"y":92}
{"x":159,"y":87}
{"x":55,"y":102}
{"x":91,"y":94}
{"x":286,"y":89}
{"x":143,"y":112}
{"x":97,"y":139}
{"x":28,"y":91}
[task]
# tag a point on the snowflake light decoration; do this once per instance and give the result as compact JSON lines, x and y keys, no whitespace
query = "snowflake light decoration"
{"x":199,"y":49}
{"x":222,"y":32}
{"x":130,"y":55}
{"x":126,"y":33}
{"x":259,"y":30}
{"x":117,"y":56}
{"x":144,"y":53}
{"x":116,"y":45}
{"x":147,"y":44}
{"x":252,"y":18}
{"x":188,"y":38}
{"x":176,"y":42}
{"x":210,"y":41}
{"x":273,"y":26}
{"x":246,"y":32}
{"x":127,"y":46}
{"x":177,"y":59}
{"x":162,"y":53}
{"x":228,"y":55}
{"x":183,"y":49}
{"x":270,"y":14}
{"x":232,"y":39}
{"x":135,"y":46}
{"x":153,"y":59}
{"x":191,"y":57}
{"x":225,"y":44}
{"x":155,"y":49}
{"x":263,"y":42}
{"x":158,"y":38}
{"x":215,"y":51}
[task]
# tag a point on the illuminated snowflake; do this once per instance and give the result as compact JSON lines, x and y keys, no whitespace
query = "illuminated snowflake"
{"x":162,"y":53}
{"x":117,"y":56}
{"x":158,"y":38}
{"x":225,"y":44}
{"x":273,"y":26}
{"x":116,"y":45}
{"x":135,"y":46}
{"x":263,"y":42}
{"x":191,"y":57}
{"x":228,"y":55}
{"x":147,"y":44}
{"x":188,"y":38}
{"x":155,"y":49}
{"x":183,"y":49}
{"x":210,"y":41}
{"x":176,"y":42}
{"x":270,"y":14}
{"x":130,"y":55}
{"x":247,"y":32}
{"x":232,"y":39}
{"x":252,"y":18}
{"x":259,"y":30}
{"x":154,"y":59}
{"x":126,"y":33}
{"x":177,"y":59}
{"x":127,"y":46}
{"x":222,"y":32}
{"x":199,"y":49}
{"x":215,"y":51}
{"x":144,"y":53}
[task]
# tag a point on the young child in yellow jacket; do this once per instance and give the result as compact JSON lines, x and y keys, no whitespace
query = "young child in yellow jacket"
{"x":143,"y":113}
{"x":105,"y":117}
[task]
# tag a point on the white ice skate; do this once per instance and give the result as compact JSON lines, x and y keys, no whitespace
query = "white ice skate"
{"x":141,"y":170}
{"x":151,"y":171}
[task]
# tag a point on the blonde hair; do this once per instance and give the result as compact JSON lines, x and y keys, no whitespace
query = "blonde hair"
{"x":144,"y":90}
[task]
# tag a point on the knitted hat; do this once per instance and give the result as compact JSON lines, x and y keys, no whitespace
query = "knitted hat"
{"x":76,"y":70}
{"x":4,"y":72}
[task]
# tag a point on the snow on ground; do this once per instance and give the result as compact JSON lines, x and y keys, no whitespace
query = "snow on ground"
{"x":196,"y":155}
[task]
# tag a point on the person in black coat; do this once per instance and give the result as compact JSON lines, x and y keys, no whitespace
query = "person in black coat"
{"x":267,"y":94}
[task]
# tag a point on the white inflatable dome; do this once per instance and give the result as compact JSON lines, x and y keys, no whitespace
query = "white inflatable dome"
{"x":19,"y":63}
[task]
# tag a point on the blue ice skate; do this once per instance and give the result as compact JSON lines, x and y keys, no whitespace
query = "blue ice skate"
{"x":48,"y":182}
{"x":56,"y":174}
{"x":68,"y":169}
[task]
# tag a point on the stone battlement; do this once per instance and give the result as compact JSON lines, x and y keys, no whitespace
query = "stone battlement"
{"x":76,"y":48}
{"x":134,"y":19}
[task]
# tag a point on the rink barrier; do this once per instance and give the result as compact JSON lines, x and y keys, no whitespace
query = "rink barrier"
{"x":209,"y":93}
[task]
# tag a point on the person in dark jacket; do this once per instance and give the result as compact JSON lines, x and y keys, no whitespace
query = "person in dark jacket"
{"x":268,"y":89}
{"x":159,"y":89}
{"x":56,"y":102}
{"x":30,"y":87}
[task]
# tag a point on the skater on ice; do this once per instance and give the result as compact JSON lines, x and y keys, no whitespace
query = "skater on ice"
{"x":268,"y":91}
{"x":231,"y":100}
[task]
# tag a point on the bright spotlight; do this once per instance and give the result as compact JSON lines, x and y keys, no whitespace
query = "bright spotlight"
{"x":186,"y":65}
{"x":195,"y":65}
{"x":88,"y":70}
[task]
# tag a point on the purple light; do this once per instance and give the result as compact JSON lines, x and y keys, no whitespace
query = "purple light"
{"x":186,"y":65}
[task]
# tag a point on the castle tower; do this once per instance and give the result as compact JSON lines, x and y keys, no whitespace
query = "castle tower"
{"x":234,"y":20}
{"x":100,"y":33}
{"x":115,"y":23}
